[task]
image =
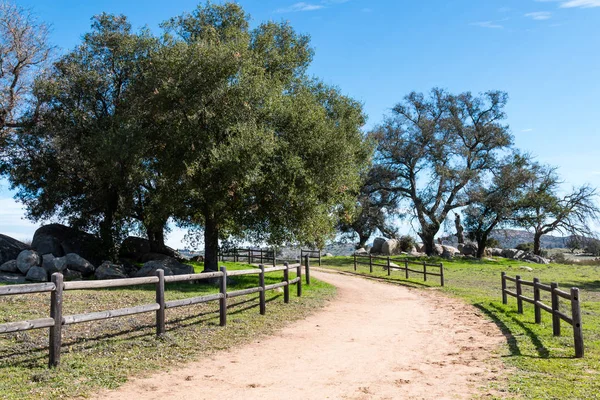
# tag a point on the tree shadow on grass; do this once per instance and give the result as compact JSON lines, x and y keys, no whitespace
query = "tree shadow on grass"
{"x":39,"y":354}
{"x":497,"y":315}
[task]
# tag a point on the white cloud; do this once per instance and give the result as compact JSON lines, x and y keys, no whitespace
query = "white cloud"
{"x":302,"y":6}
{"x":488,"y":24}
{"x":539,"y":15}
{"x":574,"y":3}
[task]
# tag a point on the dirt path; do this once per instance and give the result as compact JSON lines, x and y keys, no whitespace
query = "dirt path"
{"x":374,"y":341}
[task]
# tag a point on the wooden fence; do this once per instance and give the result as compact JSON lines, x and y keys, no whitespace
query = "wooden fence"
{"x":554,"y":309}
{"x":251,"y":256}
{"x":57,"y":286}
{"x":314,"y":254}
{"x":373,"y":261}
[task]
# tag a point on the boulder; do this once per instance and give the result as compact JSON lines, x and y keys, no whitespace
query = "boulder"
{"x":8,"y":277}
{"x":509,"y":253}
{"x":154,"y":257}
{"x":10,"y":248}
{"x":361,"y":252}
{"x":170,"y":265}
{"x":389,"y":247}
{"x":129,"y":267}
{"x":71,"y":241}
{"x":9,"y":266}
{"x":134,"y":248}
{"x":72,"y":275}
{"x":53,"y":264}
{"x":37,"y":274}
{"x":526,"y":268}
{"x":328,"y":255}
{"x":197,"y":259}
{"x":27,"y":259}
{"x":460,"y":247}
{"x":377,"y":245}
{"x":469,"y":249}
{"x":496,"y":252}
{"x":108,"y":270}
{"x":534,"y":259}
{"x":449,"y":252}
{"x":75,"y":262}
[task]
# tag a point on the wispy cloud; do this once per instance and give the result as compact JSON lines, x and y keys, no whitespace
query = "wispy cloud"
{"x":488,"y":24}
{"x":302,"y":6}
{"x":574,"y":3}
{"x":539,"y":15}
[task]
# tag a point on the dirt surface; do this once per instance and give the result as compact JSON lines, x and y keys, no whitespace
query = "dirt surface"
{"x":374,"y":341}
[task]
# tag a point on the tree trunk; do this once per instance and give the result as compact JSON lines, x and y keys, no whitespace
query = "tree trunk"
{"x":211,"y":244}
{"x":107,"y":227}
{"x":459,"y":230}
{"x":481,"y":244}
{"x":362,"y":240}
{"x":156,"y":236}
{"x":537,"y":243}
{"x":428,"y":239}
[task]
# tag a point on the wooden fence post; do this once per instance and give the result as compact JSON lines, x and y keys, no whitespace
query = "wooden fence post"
{"x":261,"y":256}
{"x":370,"y":263}
{"x":250,"y":256}
{"x":355,"y":261}
{"x":442,"y":274}
{"x":56,"y":303}
{"x":388,"y":266}
{"x":577,"y":329}
{"x":406,"y":268}
{"x":262,"y":294}
{"x":504,"y":297}
{"x":274,"y":257}
{"x":424,"y":271}
{"x":519,"y":293}
{"x":223,"y":300}
{"x":160,"y":300}
{"x":286,"y":278}
{"x":555,"y":307}
{"x":236,"y":257}
{"x":536,"y":300}
{"x":299,"y":284}
{"x":307,"y":266}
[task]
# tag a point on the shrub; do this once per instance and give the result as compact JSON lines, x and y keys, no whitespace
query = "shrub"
{"x":593,"y":247}
{"x":491,"y":242}
{"x":525,"y":247}
{"x":406,"y":243}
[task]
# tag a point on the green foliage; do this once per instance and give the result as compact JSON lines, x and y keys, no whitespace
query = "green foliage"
{"x":491,"y":242}
{"x":592,"y":246}
{"x":525,"y":247}
{"x":406,"y":243}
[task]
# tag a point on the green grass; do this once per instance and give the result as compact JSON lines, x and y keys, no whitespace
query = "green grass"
{"x":540,"y":366}
{"x":103,"y":354}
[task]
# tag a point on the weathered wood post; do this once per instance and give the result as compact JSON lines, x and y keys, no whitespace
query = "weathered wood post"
{"x":370,"y":263}
{"x":262,"y":294}
{"x":236,"y":258}
{"x":261,"y":255}
{"x":160,"y":300}
{"x":424,"y":271}
{"x":388,"y":266}
{"x":519,"y":293}
{"x":286,"y":278}
{"x":577,"y":329}
{"x":307,"y":266}
{"x":555,"y":307}
{"x":223,"y":300}
{"x":299,"y":284}
{"x":536,"y":301}
{"x":504,"y":297}
{"x":56,"y":303}
{"x":406,"y":268}
{"x":442,"y":274}
{"x":250,"y":256}
{"x":355,"y":261}
{"x":274,"y":257}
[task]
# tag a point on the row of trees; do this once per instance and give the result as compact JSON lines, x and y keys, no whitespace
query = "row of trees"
{"x":444,"y":153}
{"x":211,"y":123}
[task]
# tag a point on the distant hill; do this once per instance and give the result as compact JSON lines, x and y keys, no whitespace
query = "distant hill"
{"x":510,"y":238}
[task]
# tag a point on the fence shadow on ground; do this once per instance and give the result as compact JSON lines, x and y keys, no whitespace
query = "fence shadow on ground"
{"x":498,"y":315}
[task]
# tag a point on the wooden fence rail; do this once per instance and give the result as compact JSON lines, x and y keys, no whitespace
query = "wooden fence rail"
{"x":57,"y":287}
{"x":250,"y":255}
{"x":573,"y":296}
{"x":314,"y":254}
{"x":386,"y":263}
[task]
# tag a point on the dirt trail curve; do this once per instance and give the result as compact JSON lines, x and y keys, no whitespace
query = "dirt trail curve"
{"x":374,"y":341}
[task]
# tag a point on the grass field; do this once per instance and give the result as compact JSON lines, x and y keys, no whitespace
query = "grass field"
{"x":103,"y":354}
{"x":542,"y":366}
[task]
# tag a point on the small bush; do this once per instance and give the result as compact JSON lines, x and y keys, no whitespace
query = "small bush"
{"x":406,"y":243}
{"x":492,"y":243}
{"x":525,"y":247}
{"x":593,"y":247}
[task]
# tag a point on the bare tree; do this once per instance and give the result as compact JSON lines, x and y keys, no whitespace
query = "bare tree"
{"x":24,"y":51}
{"x":544,"y":210}
{"x":436,"y":146}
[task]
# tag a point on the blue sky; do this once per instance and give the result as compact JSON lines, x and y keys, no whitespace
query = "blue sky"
{"x":544,"y":53}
